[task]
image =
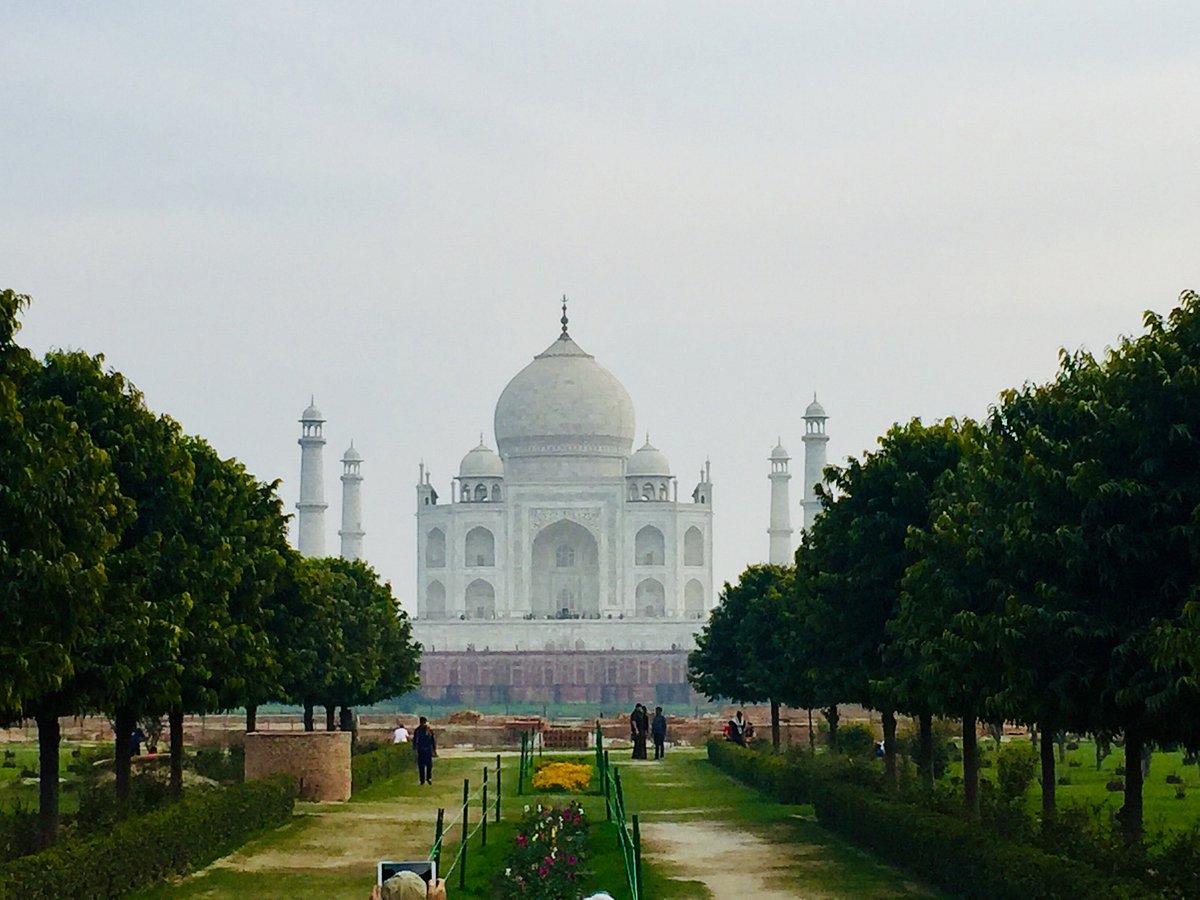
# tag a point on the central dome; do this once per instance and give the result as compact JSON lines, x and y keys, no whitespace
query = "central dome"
{"x":564,"y":403}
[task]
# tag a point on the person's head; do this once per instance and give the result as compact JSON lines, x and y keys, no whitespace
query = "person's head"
{"x":424,"y":720}
{"x":405,"y":886}
{"x":658,"y":710}
{"x":739,"y":715}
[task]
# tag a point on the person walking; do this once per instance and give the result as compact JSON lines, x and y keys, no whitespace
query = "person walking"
{"x":425,"y":744}
{"x":658,"y":730}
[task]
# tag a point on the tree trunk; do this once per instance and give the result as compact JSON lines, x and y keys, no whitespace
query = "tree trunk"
{"x":124,"y":723}
{"x":775,"y":725}
{"x":175,"y":724}
{"x":1048,"y":784}
{"x":1131,"y":813}
{"x":831,"y":716}
{"x":49,"y":743}
{"x":970,"y":767}
{"x":812,"y":735}
{"x":330,"y":722}
{"x":308,"y":716}
{"x":1060,"y":738}
{"x":251,"y":718}
{"x":889,"y":748}
{"x":925,"y":721}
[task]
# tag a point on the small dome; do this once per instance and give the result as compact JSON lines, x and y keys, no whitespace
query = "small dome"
{"x":312,"y":414}
{"x":351,"y":455}
{"x":649,"y":460}
{"x":780,"y":452}
{"x":815,"y":410}
{"x":482,"y":462}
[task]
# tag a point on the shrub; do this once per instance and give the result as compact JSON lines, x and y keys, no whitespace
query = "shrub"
{"x":386,"y":761}
{"x":856,"y":739}
{"x":19,"y":833}
{"x":1116,"y":785}
{"x":1016,"y":765}
{"x":142,"y":850}
{"x":957,"y":855}
{"x":565,"y":776}
{"x":225,"y":766}
{"x":99,"y":807}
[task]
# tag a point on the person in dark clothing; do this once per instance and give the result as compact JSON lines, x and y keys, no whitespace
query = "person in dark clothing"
{"x":425,"y":744}
{"x":738,"y":728}
{"x":658,"y":731}
{"x":639,"y":725}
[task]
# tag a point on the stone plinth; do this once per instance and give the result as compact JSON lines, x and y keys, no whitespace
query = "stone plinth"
{"x":320,"y":760}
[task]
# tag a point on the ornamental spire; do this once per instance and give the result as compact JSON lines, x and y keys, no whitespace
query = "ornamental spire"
{"x":564,"y":318}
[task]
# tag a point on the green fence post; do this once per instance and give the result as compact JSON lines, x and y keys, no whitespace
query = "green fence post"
{"x":607,"y":791}
{"x":437,"y":837}
{"x":620,"y":797}
{"x":521,"y":766}
{"x":466,"y":819}
{"x":497,"y":787}
{"x":484,"y":808}
{"x":637,"y":858}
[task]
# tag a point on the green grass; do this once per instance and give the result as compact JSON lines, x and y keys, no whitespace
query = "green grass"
{"x":1161,"y":809}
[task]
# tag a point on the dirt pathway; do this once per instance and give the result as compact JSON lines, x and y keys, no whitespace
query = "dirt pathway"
{"x":699,"y":825}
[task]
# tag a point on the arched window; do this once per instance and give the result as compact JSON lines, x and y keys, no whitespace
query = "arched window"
{"x":662,"y":491}
{"x":495,"y":493}
{"x":649,"y":548}
{"x":647,"y":491}
{"x":466,"y":493}
{"x":693,"y":547}
{"x":481,"y":493}
{"x":480,"y":600}
{"x":435,"y":601}
{"x":651,"y":599}
{"x":435,"y":549}
{"x":480,"y":547}
{"x":633,"y":493}
{"x":564,"y":557}
{"x":693,"y":599}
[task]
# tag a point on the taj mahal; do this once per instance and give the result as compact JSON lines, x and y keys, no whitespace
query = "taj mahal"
{"x":564,"y":565}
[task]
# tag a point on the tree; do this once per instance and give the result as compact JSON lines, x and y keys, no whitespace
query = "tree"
{"x":747,"y":651}
{"x":856,"y":554}
{"x":60,"y":514}
{"x":131,"y":657}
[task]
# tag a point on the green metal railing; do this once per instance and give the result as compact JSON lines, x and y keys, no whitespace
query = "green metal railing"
{"x":464,"y":818}
{"x":629,"y":836}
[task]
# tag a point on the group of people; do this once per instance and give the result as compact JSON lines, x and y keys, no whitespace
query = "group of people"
{"x":424,"y":742}
{"x":641,"y":725}
{"x":738,"y":729}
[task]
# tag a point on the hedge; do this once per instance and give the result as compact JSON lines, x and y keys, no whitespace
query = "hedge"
{"x":956,"y":855}
{"x":143,"y":850}
{"x":384,"y":762}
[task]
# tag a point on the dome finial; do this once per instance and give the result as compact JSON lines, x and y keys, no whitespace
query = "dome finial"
{"x":564,"y":317}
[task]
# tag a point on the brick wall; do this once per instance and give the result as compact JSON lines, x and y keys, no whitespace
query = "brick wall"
{"x":319,"y":759}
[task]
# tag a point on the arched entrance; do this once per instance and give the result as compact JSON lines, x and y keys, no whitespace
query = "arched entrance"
{"x":566,"y":572}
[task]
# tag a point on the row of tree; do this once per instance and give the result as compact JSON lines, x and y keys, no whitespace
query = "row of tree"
{"x":1039,"y":566}
{"x":143,"y":575}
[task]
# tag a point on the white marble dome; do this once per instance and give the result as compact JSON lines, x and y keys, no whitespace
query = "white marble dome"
{"x":351,"y":455}
{"x":312,"y":414}
{"x":482,"y":462}
{"x":815,"y":410}
{"x":564,"y":402}
{"x":649,"y":460}
{"x":780,"y":452}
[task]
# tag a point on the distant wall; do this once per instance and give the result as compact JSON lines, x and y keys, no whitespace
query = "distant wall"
{"x":320,"y":760}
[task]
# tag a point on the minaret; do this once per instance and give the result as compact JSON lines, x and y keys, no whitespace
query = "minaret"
{"x":703,"y":490}
{"x":311,"y":537}
{"x":352,"y":530}
{"x":781,"y":519}
{"x":815,"y":440}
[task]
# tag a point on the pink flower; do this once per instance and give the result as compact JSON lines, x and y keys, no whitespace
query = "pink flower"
{"x":571,"y":860}
{"x":542,"y":871}
{"x":522,"y":840}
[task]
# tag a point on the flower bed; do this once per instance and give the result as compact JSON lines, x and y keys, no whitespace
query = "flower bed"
{"x":547,"y":859}
{"x":563,"y":776}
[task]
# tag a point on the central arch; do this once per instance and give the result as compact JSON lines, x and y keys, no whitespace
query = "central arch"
{"x":566,"y":572}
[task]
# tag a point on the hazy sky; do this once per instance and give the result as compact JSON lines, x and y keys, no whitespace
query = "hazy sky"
{"x":903,"y":207}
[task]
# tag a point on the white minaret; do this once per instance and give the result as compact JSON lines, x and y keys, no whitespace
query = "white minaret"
{"x":311,"y":537}
{"x":815,"y":440}
{"x":352,"y":530}
{"x":781,"y":518}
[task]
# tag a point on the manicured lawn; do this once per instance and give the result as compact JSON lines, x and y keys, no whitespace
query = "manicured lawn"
{"x":17,"y":791}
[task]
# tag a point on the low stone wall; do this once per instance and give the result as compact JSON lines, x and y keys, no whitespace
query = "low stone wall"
{"x":320,"y":760}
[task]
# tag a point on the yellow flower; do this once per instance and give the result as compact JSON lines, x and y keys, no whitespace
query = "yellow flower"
{"x":563,"y":776}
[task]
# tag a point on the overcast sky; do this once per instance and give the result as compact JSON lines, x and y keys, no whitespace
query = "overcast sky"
{"x":905,"y":208}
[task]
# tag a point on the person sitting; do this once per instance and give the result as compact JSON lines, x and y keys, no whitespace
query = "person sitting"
{"x":737,"y":728}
